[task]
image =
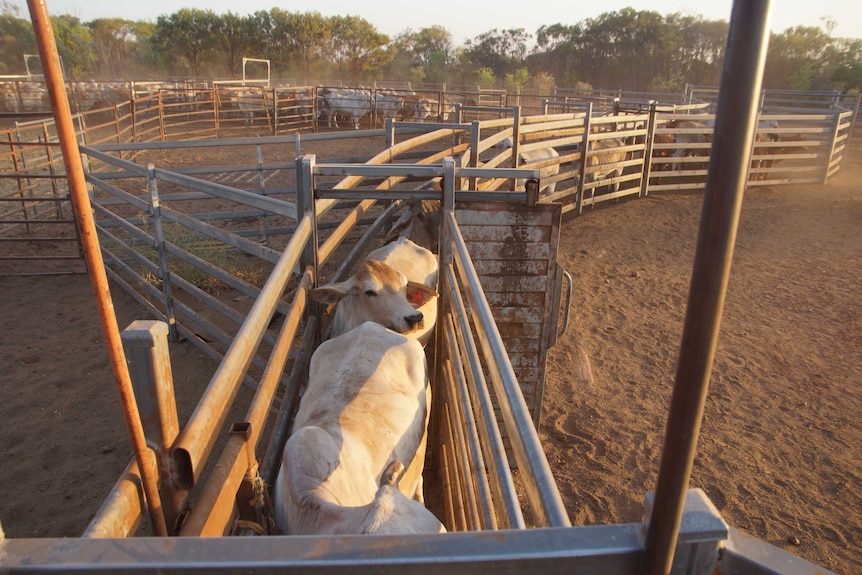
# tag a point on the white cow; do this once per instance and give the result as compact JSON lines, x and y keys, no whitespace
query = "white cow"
{"x":250,"y":102}
{"x":380,"y":293}
{"x":420,"y":266}
{"x":423,"y":109}
{"x":544,"y":160}
{"x":8,"y":97}
{"x":388,"y":105}
{"x":601,"y":160}
{"x":353,"y":103}
{"x":364,"y":413}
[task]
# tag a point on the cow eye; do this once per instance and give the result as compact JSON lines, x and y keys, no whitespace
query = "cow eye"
{"x":370,"y":293}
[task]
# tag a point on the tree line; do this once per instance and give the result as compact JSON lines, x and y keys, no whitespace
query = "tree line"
{"x":626,"y":49}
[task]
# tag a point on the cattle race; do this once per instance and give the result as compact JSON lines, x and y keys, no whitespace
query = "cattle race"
{"x":381,"y":278}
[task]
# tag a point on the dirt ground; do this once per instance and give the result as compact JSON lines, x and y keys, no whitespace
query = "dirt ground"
{"x":779,"y":452}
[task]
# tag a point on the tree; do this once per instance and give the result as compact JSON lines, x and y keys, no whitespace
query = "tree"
{"x":231,"y":39}
{"x":502,"y":52}
{"x":310,"y":35}
{"x":74,"y":45}
{"x":358,"y":47}
{"x":543,"y":82}
{"x":517,"y":80}
{"x":847,"y":72}
{"x":485,"y":77}
{"x":423,"y":56}
{"x":431,"y":50}
{"x":558,"y":51}
{"x":143,"y":59}
{"x":111,"y":38}
{"x":16,"y":39}
{"x":798,"y":59}
{"x":185,"y":39}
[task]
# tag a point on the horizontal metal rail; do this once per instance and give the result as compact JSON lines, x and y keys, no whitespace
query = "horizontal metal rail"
{"x":196,"y":440}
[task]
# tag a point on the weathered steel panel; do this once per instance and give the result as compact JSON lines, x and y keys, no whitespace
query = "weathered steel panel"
{"x":514,"y":250}
{"x":492,"y":216}
{"x":515,"y":283}
{"x":511,"y":267}
{"x":496,"y":233}
{"x":502,"y":299}
{"x":508,"y":250}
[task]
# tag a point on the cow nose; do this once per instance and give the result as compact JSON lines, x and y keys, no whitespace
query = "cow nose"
{"x":414,"y":319}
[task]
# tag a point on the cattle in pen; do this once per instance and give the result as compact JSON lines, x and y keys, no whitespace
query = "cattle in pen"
{"x":700,"y":134}
{"x":768,"y":157}
{"x":420,"y":220}
{"x":354,"y":104}
{"x":602,"y":161}
{"x":250,"y":102}
{"x":388,"y":105}
{"x":545,"y":159}
{"x":361,"y":421}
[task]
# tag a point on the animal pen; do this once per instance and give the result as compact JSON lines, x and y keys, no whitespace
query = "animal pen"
{"x":501,"y":298}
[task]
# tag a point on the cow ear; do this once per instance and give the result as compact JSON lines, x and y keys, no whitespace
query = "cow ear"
{"x":332,"y":293}
{"x":418,"y":294}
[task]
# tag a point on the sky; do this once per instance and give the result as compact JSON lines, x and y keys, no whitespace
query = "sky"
{"x":466,"y":19}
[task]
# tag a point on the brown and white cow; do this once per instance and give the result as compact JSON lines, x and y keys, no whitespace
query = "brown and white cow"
{"x":380,"y":292}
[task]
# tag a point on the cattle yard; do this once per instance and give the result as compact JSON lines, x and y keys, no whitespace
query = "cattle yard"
{"x":634,"y":148}
{"x":166,"y":221}
{"x":225,"y":256}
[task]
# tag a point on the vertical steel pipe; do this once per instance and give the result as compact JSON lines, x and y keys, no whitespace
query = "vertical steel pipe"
{"x":736,"y":115}
{"x":98,"y":277}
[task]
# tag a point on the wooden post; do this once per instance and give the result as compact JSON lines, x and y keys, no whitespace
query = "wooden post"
{"x":146,"y":346}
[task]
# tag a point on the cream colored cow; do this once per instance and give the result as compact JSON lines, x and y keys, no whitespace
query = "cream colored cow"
{"x":363,"y":416}
{"x":543,"y":159}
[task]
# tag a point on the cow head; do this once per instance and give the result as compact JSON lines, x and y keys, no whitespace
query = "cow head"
{"x":376,"y":292}
{"x":420,"y":223}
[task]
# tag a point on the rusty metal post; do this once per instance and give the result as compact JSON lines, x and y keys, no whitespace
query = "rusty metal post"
{"x":98,"y":277}
{"x":146,"y":346}
{"x":736,"y":115}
